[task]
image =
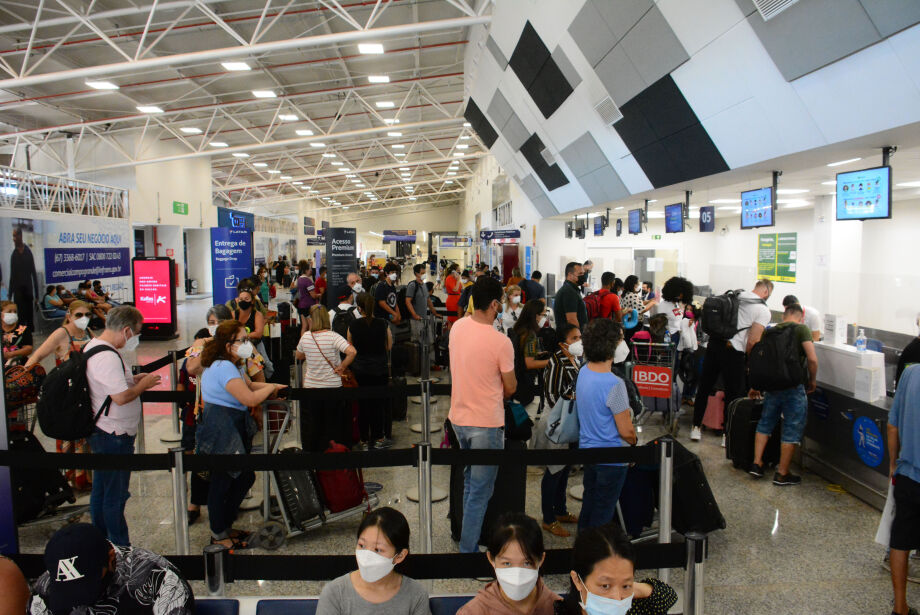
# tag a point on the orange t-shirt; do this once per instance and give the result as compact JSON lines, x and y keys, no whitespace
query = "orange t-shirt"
{"x":479,"y":355}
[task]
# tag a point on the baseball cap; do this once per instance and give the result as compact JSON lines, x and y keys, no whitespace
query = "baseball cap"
{"x":75,"y":558}
{"x":343,"y":292}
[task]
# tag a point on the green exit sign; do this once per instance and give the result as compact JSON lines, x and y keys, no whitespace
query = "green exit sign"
{"x":656,"y":236}
{"x":180,"y":208}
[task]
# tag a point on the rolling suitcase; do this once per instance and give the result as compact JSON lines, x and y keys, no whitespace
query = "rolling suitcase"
{"x":299,"y":493}
{"x":36,"y":492}
{"x":741,"y":418}
{"x":342,"y":489}
{"x":714,"y":418}
{"x":694,"y":507}
{"x":399,"y":405}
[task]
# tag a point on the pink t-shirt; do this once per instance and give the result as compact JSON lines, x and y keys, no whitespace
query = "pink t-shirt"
{"x":478,"y":356}
{"x":107,"y":376}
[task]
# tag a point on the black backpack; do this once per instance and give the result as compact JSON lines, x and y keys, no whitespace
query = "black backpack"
{"x":343,"y":320}
{"x":401,"y":303}
{"x":776,"y":362}
{"x":719,"y":319}
{"x":65,"y":410}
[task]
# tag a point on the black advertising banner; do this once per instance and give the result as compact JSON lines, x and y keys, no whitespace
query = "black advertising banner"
{"x":341,"y":252}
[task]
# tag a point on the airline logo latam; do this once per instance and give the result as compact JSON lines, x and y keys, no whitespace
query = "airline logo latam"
{"x":67,"y":571}
{"x":652,"y":380}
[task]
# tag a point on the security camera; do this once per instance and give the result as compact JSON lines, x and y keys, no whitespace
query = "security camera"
{"x":723,"y":230}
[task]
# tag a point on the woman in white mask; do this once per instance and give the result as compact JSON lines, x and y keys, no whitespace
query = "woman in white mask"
{"x":227,"y":427}
{"x":603,"y":578}
{"x":375,"y":587}
{"x":17,"y":338}
{"x":530,"y":357}
{"x":511,"y":310}
{"x":515,"y":550}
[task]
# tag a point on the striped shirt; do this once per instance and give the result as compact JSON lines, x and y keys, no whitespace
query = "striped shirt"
{"x":559,"y":378}
{"x":317,"y":373}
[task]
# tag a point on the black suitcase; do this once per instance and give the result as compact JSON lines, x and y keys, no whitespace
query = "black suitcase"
{"x":36,"y":492}
{"x":639,"y":498}
{"x":741,"y":418}
{"x":406,"y":356}
{"x":284,"y":313}
{"x":399,"y":406}
{"x":693,"y":506}
{"x":509,"y":494}
{"x":300,"y":493}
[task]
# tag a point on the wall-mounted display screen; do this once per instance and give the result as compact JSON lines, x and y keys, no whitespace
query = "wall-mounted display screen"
{"x":757,"y":208}
{"x":155,"y":295}
{"x":674,"y":218}
{"x":864,"y":195}
{"x":598,"y":226}
{"x":635,"y":221}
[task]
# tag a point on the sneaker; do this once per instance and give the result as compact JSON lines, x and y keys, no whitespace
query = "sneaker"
{"x":756,"y":470}
{"x":383,"y":443}
{"x":910,"y":611}
{"x":786,"y":480}
{"x":723,"y":440}
{"x":555,"y":528}
{"x":362,"y":446}
{"x":696,"y":434}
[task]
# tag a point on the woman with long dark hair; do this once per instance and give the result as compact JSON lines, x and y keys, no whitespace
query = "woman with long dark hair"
{"x":529,"y":358}
{"x":632,"y":300}
{"x":371,"y":338}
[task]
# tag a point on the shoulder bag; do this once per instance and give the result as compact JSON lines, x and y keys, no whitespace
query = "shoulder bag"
{"x":348,"y":377}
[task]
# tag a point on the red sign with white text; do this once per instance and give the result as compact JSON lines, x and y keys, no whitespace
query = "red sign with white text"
{"x":151,"y":290}
{"x":652,"y":380}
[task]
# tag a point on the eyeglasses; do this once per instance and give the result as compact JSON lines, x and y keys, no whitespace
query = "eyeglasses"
{"x":80,"y":314}
{"x":242,"y":340}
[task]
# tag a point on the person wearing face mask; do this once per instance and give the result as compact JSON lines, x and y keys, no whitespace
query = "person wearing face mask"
{"x":419,"y":303}
{"x":603,"y":578}
{"x":17,"y":337}
{"x":483,"y":376}
{"x":559,"y":380}
{"x":515,"y":550}
{"x":569,"y":304}
{"x":453,"y":286}
{"x":632,"y":301}
{"x":587,"y":285}
{"x":529,"y":357}
{"x":70,"y":337}
{"x":353,"y":280}
{"x":227,"y":427}
{"x":465,"y":304}
{"x":385,"y":295}
{"x":112,"y":384}
{"x":375,"y":587}
{"x":511,"y":309}
{"x":249,"y":315}
{"x":52,"y":305}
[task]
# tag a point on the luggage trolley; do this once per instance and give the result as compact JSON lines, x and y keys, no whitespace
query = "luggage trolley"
{"x":292,"y":489}
{"x":653,"y":374}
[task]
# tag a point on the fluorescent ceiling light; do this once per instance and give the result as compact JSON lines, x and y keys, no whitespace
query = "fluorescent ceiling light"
{"x":261,"y":165}
{"x":413,"y":198}
{"x":190,"y":130}
{"x":792,"y":190}
{"x":463,"y":146}
{"x":378,"y":78}
{"x":405,"y":174}
{"x":385,"y":104}
{"x":317,"y":144}
{"x":314,"y":191}
{"x":288,"y":117}
{"x":448,"y":181}
{"x":464,"y":137}
{"x":264,"y":94}
{"x":273,"y":171}
{"x":370,"y":48}
{"x":361,"y":185}
{"x":101,"y":85}
{"x":466,"y":124}
{"x":303,"y":132}
{"x":356,"y":181}
{"x":618,"y":208}
{"x":328,"y":155}
{"x":653,"y":200}
{"x":399,"y":146}
{"x":840,"y":162}
{"x":217,"y":144}
{"x":399,"y":154}
{"x":390,"y":120}
{"x":459,"y":154}
{"x":405,"y":168}
{"x":240,"y":155}
{"x":451,"y":173}
{"x":285,"y":177}
{"x":297,"y":183}
{"x":149,"y":109}
{"x":337,"y":163}
{"x":830,"y":183}
{"x":346,"y":206}
{"x":394,"y":134}
{"x":351,"y":175}
{"x":717,"y":201}
{"x":908,"y":185}
{"x":235,"y":66}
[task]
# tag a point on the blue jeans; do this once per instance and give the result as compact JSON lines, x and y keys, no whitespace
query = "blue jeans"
{"x":478,"y":482}
{"x":792,"y":404}
{"x":110,"y":488}
{"x":602,"y":490}
{"x":553,"y":493}
{"x":54,"y":313}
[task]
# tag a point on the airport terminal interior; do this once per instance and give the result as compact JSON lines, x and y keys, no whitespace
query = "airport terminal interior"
{"x":603,"y":160}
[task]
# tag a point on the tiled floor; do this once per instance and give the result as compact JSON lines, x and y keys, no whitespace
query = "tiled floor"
{"x":785,"y":550}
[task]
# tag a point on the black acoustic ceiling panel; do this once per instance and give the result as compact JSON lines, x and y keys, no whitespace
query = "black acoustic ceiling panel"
{"x":550,"y":88}
{"x":665,"y":136}
{"x":529,"y":56}
{"x":551,"y":176}
{"x":480,"y":124}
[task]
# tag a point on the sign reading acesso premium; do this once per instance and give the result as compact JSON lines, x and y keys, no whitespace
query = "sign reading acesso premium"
{"x":341,"y":252}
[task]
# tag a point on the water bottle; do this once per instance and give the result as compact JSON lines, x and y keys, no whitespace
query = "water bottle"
{"x":667,"y":337}
{"x":861,"y":341}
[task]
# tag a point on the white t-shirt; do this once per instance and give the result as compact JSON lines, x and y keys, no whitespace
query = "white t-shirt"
{"x":674,"y":312}
{"x":505,"y":321}
{"x":752,"y":310}
{"x":107,"y":376}
{"x":317,"y":374}
{"x":813,"y":319}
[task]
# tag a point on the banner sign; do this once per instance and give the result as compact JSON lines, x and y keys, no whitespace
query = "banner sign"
{"x":500,"y":234}
{"x":399,"y":236}
{"x":180,"y":208}
{"x":316,"y":241}
{"x":309,"y":226}
{"x":78,"y":264}
{"x":528,"y":261}
{"x":227,"y":218}
{"x":652,"y":380}
{"x":455,"y":242}
{"x":777,"y":256}
{"x":707,"y":219}
{"x":341,"y":252}
{"x":231,"y":260}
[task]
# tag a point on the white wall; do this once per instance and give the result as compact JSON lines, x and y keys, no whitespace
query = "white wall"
{"x":199,"y":257}
{"x":438,"y":219}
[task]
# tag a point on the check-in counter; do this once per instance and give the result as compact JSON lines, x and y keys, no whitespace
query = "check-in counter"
{"x":846,"y":436}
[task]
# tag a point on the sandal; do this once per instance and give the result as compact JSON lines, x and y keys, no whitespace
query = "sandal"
{"x":235,"y":543}
{"x":240,"y":535}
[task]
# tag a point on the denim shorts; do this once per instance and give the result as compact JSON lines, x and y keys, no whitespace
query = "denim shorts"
{"x":792,"y":405}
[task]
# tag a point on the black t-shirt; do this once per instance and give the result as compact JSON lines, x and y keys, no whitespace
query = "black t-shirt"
{"x":568,"y":299}
{"x":910,"y":354}
{"x":385,"y":292}
{"x":369,"y":337}
{"x":19,"y":337}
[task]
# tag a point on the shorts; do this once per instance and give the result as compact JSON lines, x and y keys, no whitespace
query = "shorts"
{"x":905,"y":528}
{"x":305,"y":312}
{"x":792,"y":405}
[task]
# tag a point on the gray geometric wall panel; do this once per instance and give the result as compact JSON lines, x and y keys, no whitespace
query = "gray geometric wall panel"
{"x":583,"y":155}
{"x":499,"y":109}
{"x":492,"y":46}
{"x":620,"y":15}
{"x":599,"y":180}
{"x":545,"y":206}
{"x":535,"y":193}
{"x":515,"y":132}
{"x":891,"y":16}
{"x":591,"y":34}
{"x":653,"y":47}
{"x":619,"y":76}
{"x":603,"y":185}
{"x":565,"y":65}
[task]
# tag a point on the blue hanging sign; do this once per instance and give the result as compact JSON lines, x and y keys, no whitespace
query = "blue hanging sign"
{"x":528,"y":261}
{"x":231,"y":261}
{"x":707,"y":219}
{"x":868,"y":441}
{"x":500,"y":234}
{"x":227,"y":218}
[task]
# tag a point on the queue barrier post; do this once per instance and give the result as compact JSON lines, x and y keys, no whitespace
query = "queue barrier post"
{"x":216,"y":565}
{"x":175,"y":422}
{"x":180,"y":501}
{"x":140,"y":443}
{"x":298,"y":381}
{"x":665,"y":480}
{"x":424,"y":495}
{"x":697,"y":546}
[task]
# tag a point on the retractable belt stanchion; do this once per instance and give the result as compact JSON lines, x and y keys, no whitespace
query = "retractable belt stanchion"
{"x":298,"y":410}
{"x":425,"y":379}
{"x":140,"y":444}
{"x":216,"y":562}
{"x":697,"y":544}
{"x":266,"y":476}
{"x":665,"y":479}
{"x":176,"y":434}
{"x":425,"y":494}
{"x":180,"y":501}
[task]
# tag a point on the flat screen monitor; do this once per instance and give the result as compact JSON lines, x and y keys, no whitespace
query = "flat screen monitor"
{"x":155,"y":295}
{"x":635,"y":221}
{"x":864,"y":195}
{"x":674,"y":218}
{"x":757,"y":208}
{"x":598,"y":226}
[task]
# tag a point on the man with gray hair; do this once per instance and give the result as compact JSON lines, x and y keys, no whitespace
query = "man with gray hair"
{"x":353,"y":281}
{"x":116,"y":391}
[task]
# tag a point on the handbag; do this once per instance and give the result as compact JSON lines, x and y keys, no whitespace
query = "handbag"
{"x":562,"y":422}
{"x":23,"y":385}
{"x":348,"y":377}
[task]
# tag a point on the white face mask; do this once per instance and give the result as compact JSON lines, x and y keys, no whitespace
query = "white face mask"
{"x":516,"y":299}
{"x":392,"y":277}
{"x":132,"y":342}
{"x":598,"y":605}
{"x":10,"y":318}
{"x":621,"y":352}
{"x":517,"y":583}
{"x":212,"y":329}
{"x":372,"y":566}
{"x":245,"y":350}
{"x":465,"y":280}
{"x":357,"y":288}
{"x":576,"y":349}
{"x":81,"y":323}
{"x":542,"y":322}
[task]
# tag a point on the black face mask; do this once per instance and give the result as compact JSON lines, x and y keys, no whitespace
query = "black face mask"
{"x":244,"y":305}
{"x":582,"y":279}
